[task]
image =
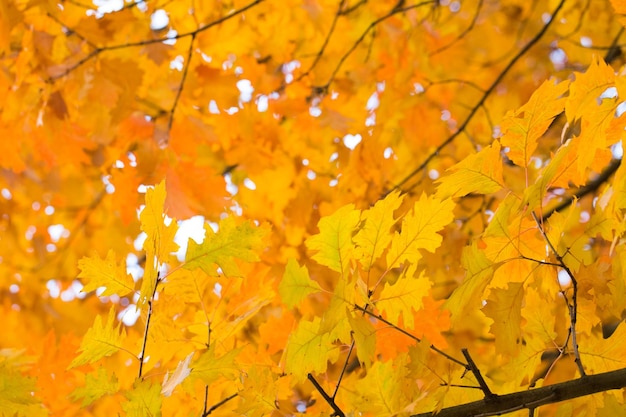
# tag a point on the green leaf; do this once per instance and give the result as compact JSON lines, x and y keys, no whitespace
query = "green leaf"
{"x":296,"y":284}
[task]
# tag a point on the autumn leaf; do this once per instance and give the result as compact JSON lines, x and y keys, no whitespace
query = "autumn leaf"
{"x":106,"y":273}
{"x":100,"y":340}
{"x":420,"y":230}
{"x":333,"y":245}
{"x":220,"y":249}
{"x":478,"y":173}
{"x":182,"y":371}
{"x":404,"y":296}
{"x":522,"y":128}
{"x":308,"y":350}
{"x":144,"y":400}
{"x":96,"y":386}
{"x":209,"y":368}
{"x":504,"y":308}
{"x":16,"y":395}
{"x":296,"y":284}
{"x":374,"y":237}
{"x":160,"y":236}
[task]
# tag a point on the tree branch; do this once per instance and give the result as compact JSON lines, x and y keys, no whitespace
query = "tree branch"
{"x":536,"y":397}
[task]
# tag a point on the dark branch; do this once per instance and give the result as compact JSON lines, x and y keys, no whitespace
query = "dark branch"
{"x":330,"y":400}
{"x":536,"y":397}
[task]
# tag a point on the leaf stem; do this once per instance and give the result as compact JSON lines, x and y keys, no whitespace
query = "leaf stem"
{"x":432,"y":347}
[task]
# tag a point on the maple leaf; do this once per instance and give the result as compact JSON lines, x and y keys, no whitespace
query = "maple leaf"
{"x":404,"y":296}
{"x":296,"y":284}
{"x":333,"y":244}
{"x":522,"y":128}
{"x":504,"y":308}
{"x":16,"y":397}
{"x":374,"y":237}
{"x":100,"y":340}
{"x":420,"y":230}
{"x":309,"y":350}
{"x":96,"y":386}
{"x":106,"y":273}
{"x":209,"y":368}
{"x":478,"y":173}
{"x":160,"y":237}
{"x":232,"y":241}
{"x":144,"y":400}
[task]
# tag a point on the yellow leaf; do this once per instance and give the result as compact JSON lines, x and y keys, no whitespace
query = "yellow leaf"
{"x":364,"y":338}
{"x":144,"y":400}
{"x":231,"y":241}
{"x":469,"y":295}
{"x":160,"y":237}
{"x":522,"y":129}
{"x":374,"y":237}
{"x":404,"y":296}
{"x":100,"y":341}
{"x":96,"y":386}
{"x":98,"y":272}
{"x":478,"y":173}
{"x":16,"y":398}
{"x":602,"y":355}
{"x":504,"y":308}
{"x":419,"y":230}
{"x":296,"y":284}
{"x":333,"y":244}
{"x":309,"y":350}
{"x":209,"y":368}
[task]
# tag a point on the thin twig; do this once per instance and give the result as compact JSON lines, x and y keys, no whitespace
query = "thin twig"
{"x":330,"y":400}
{"x":417,"y":339}
{"x":142,"y":355}
{"x":482,"y":100}
{"x":145,"y":42}
{"x":573,"y":306}
{"x":479,"y":378}
{"x":218,"y":405}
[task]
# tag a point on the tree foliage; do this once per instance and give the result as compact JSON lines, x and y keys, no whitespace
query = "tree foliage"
{"x":344,"y":207}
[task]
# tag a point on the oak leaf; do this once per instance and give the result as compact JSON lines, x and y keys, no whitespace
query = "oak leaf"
{"x":100,"y":340}
{"x":296,"y":284}
{"x":106,"y":273}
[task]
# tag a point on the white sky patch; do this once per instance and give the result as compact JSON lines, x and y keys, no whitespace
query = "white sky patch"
{"x":108,"y":6}
{"x":213,"y":109}
{"x":58,"y":231}
{"x":586,"y":41}
{"x":245,"y":90}
{"x":192,"y":228}
{"x":433,"y":174}
{"x":54,"y":289}
{"x":388,"y":152}
{"x":564,"y":278}
{"x":129,"y":315}
{"x":249,"y":184}
{"x":49,"y":210}
{"x":333,"y":157}
{"x":138,"y":243}
{"x":315,"y":111}
{"x":610,"y":92}
{"x":177,"y":63}
{"x":159,"y":20}
{"x":351,"y":141}
{"x":558,"y":58}
{"x":231,"y":188}
{"x":171,"y":34}
{"x":311,"y":175}
{"x":373,"y":102}
{"x":6,"y":193}
{"x":617,"y":150}
{"x":262,"y":103}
